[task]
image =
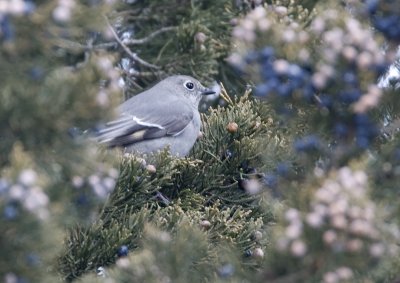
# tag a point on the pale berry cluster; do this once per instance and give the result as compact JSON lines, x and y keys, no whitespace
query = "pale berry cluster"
{"x":348,"y":53}
{"x":340,"y":78}
{"x":24,"y":193}
{"x":344,"y":218}
{"x":256,"y":20}
{"x":261,"y":24}
{"x":16,"y":7}
{"x":341,"y":206}
{"x":101,"y":183}
{"x":62,"y":13}
{"x":341,"y":274}
{"x":111,"y":83}
{"x":292,"y":238}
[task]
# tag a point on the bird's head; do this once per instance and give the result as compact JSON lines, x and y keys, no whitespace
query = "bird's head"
{"x":186,"y":86}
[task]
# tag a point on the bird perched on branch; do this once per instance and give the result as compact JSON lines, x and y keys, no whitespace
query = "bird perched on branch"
{"x":165,"y":115}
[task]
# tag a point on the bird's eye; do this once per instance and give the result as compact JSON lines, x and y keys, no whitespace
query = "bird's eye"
{"x":189,"y":85}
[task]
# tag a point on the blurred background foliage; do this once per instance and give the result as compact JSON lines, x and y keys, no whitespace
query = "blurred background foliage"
{"x":294,"y":178}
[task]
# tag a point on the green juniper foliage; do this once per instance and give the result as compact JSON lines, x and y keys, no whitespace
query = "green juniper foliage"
{"x":191,"y":262}
{"x":43,"y":96}
{"x":338,"y":224}
{"x":210,"y":185}
{"x":179,"y":37}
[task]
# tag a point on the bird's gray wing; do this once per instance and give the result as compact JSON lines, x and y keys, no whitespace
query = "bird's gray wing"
{"x":149,"y":121}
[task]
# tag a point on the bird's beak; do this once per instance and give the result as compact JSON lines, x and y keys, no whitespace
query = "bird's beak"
{"x":207,"y":91}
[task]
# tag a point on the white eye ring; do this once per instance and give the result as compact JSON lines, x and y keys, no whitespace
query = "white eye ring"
{"x":189,"y":85}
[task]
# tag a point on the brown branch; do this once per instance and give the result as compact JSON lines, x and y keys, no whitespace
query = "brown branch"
{"x":147,"y":38}
{"x":140,"y":74}
{"x":134,"y":56}
{"x":72,"y":45}
{"x":105,"y":45}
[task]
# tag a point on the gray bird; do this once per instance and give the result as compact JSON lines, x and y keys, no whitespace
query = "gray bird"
{"x":165,"y":115}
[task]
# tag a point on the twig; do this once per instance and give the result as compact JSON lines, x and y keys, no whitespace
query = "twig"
{"x":316,"y":97}
{"x":147,"y":38}
{"x":72,"y":45}
{"x":135,"y":84}
{"x":105,"y":45}
{"x":134,"y":56}
{"x":137,"y":74}
{"x":225,"y":95}
{"x":216,"y":158}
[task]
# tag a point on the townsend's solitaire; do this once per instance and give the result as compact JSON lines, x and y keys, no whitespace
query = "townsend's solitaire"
{"x":165,"y":115}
